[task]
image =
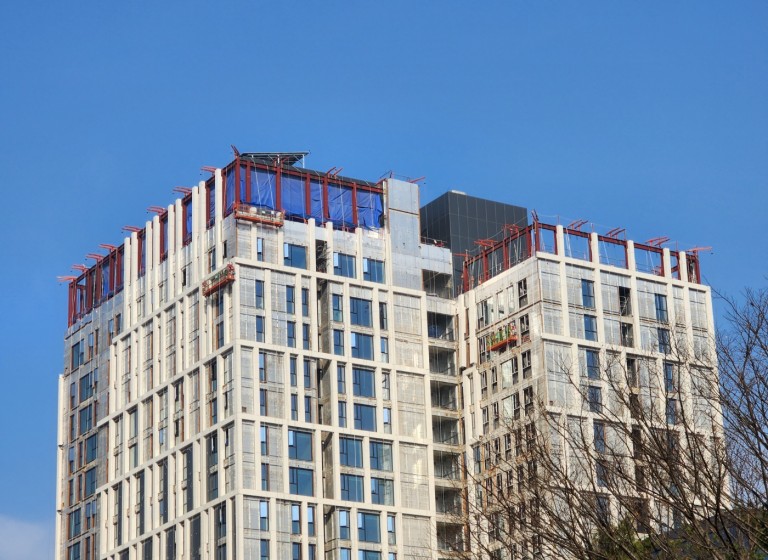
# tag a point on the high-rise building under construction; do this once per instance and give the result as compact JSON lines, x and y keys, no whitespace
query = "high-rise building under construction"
{"x":289,"y":364}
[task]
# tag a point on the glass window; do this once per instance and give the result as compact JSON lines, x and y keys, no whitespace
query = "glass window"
{"x":362,"y":346}
{"x":337,"y":301}
{"x":593,"y":363}
{"x":294,"y":255}
{"x":294,"y":407}
{"x":661,"y":308}
{"x":305,"y":302}
{"x":368,"y":527}
{"x":590,"y":327}
{"x":311,"y":520}
{"x":342,"y":414}
{"x":368,"y":555}
{"x":599,"y":436}
{"x":360,"y":312}
{"x":391,"y":530}
{"x":595,"y":398}
{"x":296,"y":519}
{"x":305,"y":336}
{"x":299,"y":445}
{"x":363,"y":382}
{"x":351,"y":452}
{"x":344,"y":265}
{"x":669,"y":377}
{"x":341,"y":378}
{"x":300,"y":481}
{"x":365,"y":417}
{"x":665,"y":345}
{"x":373,"y":270}
{"x":290,"y":299}
{"x":383,"y":322}
{"x":381,"y":455}
{"x":352,"y":487}
{"x":382,"y":491}
{"x":259,"y":293}
{"x":264,"y":515}
{"x":588,"y":293}
{"x":344,"y":524}
{"x":338,"y":342}
{"x":291,"y":330}
{"x":292,"y":366}
{"x":384,"y":350}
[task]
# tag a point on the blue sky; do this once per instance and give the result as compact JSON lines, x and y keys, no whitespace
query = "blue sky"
{"x":649,"y":116}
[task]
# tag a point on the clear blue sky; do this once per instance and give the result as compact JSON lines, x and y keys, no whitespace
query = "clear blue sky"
{"x":649,"y":116}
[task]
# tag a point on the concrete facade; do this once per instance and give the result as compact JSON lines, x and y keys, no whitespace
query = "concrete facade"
{"x":255,"y":388}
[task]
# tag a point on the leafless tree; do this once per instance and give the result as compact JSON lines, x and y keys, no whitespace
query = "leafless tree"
{"x":655,"y":456}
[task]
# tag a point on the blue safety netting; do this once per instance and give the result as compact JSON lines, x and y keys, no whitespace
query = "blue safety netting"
{"x":292,"y":196}
{"x":317,"y":211}
{"x":340,"y":204}
{"x":370,"y":209}
{"x":263,"y":185}
{"x":230,"y":192}
{"x":105,"y":277}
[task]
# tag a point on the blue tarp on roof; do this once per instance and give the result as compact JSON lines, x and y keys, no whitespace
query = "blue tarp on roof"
{"x":369,"y":209}
{"x":292,"y":195}
{"x":316,"y":201}
{"x":340,"y":204}
{"x":263,"y":184}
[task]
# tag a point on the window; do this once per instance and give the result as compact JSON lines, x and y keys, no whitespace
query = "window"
{"x":368,"y":527}
{"x":307,"y":409}
{"x":264,"y":515}
{"x":344,"y":265}
{"x":362,"y":346}
{"x":337,"y":303}
{"x":665,"y":345}
{"x":295,"y":551}
{"x":360,"y":312}
{"x":85,"y":422}
{"x":294,"y":407}
{"x":344,"y":524}
{"x":599,"y":436}
{"x":259,"y":328}
{"x":365,"y":417}
{"x":291,"y":333}
{"x":305,"y":302}
{"x":338,"y":342}
{"x":386,"y":414}
{"x":260,"y":249}
{"x":296,"y":519}
{"x":384,"y":350}
{"x":305,"y":336}
{"x":90,"y":482}
{"x":525,"y":328}
{"x":311,"y":520}
{"x":352,"y":487}
{"x":590,"y":327}
{"x":595,"y":398}
{"x":391,"y":530}
{"x":627,"y":336}
{"x":381,"y":455}
{"x":661,"y":308}
{"x":300,"y":481}
{"x":671,"y":412}
{"x":265,"y":476}
{"x":307,"y":373}
{"x":525,"y":357}
{"x":299,"y":445}
{"x":382,"y":491}
{"x":363,"y":382}
{"x":592,"y":358}
{"x":522,"y":292}
{"x":342,"y":414}
{"x":373,"y":270}
{"x":341,"y":378}
{"x":625,"y":301}
{"x":290,"y":299}
{"x":91,"y":448}
{"x":383,"y":316}
{"x":351,"y":452}
{"x":669,"y":377}
{"x":292,"y":365}
{"x":588,"y":293}
{"x":294,"y":255}
{"x":385,"y":383}
{"x":264,"y":549}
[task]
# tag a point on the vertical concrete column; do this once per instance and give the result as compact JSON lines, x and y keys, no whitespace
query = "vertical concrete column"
{"x":631,"y":265}
{"x":666,"y":263}
{"x":594,"y":247}
{"x":560,"y":240}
